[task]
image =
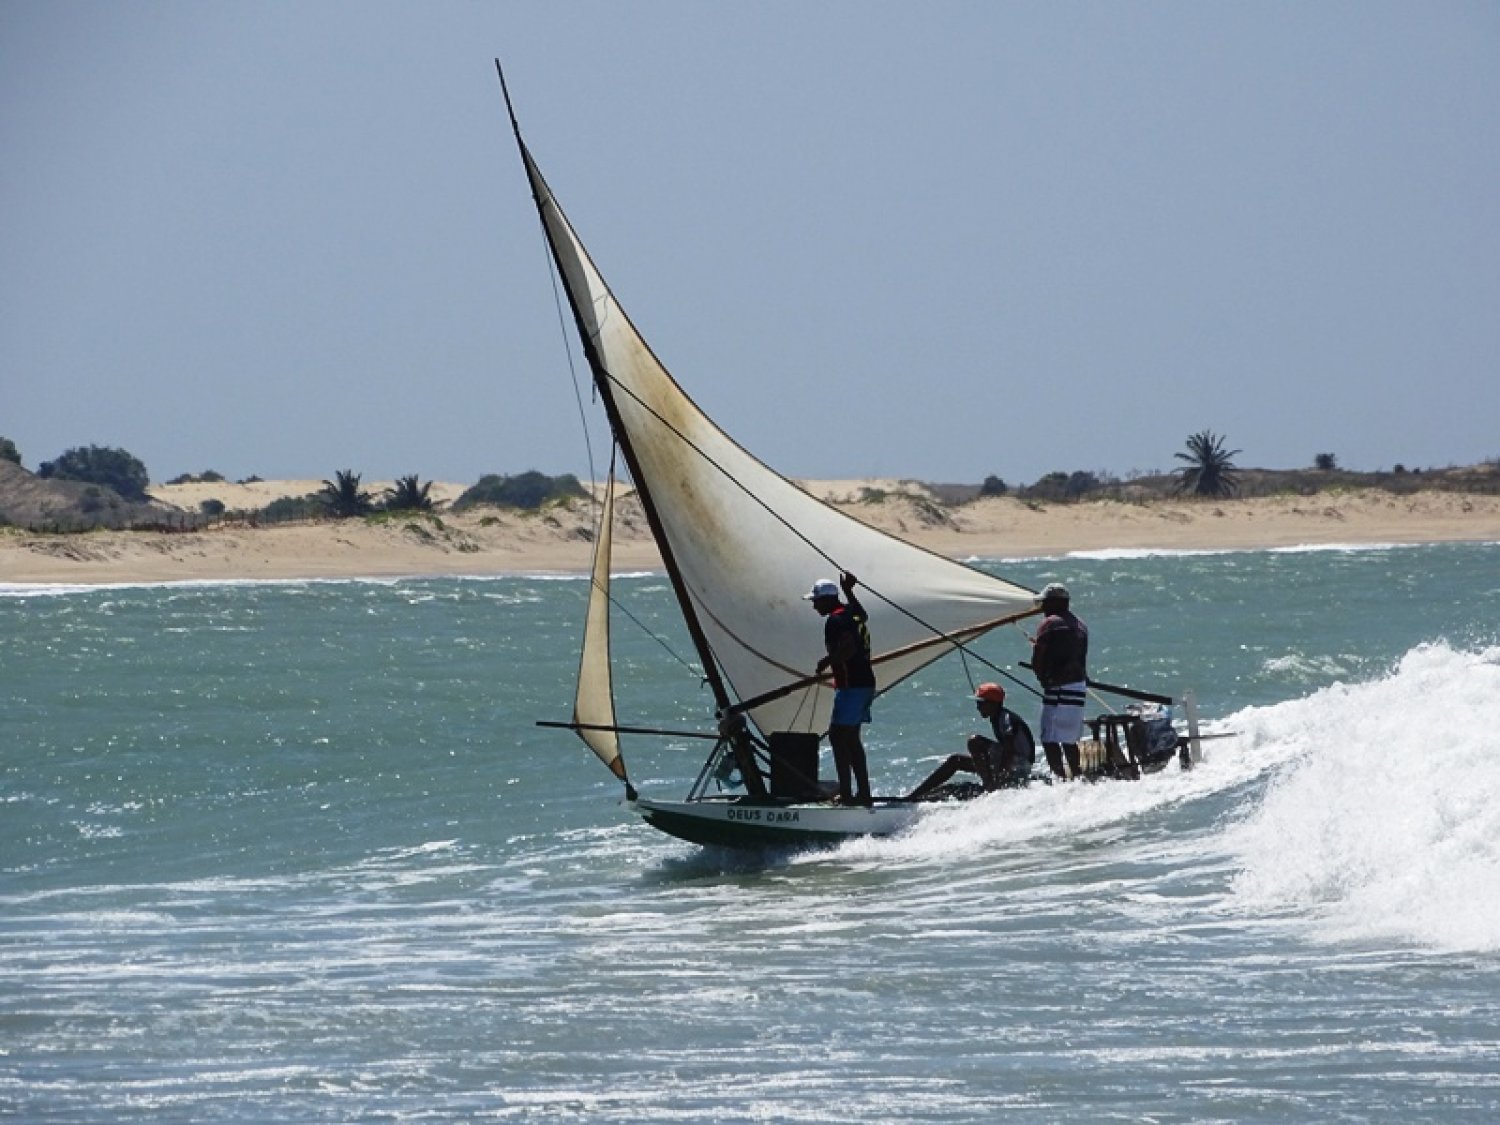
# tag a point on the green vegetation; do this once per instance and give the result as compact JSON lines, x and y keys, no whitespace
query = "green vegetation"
{"x":1210,"y":467}
{"x":289,"y":509}
{"x":343,"y":498}
{"x":1060,"y":486}
{"x":97,"y":464}
{"x":528,"y":490}
{"x":407,"y":518}
{"x":1323,"y":477}
{"x":9,"y":452}
{"x":208,"y":476}
{"x":409,"y":495}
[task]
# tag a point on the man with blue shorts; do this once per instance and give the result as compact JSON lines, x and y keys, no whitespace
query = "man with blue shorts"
{"x":846,"y":637}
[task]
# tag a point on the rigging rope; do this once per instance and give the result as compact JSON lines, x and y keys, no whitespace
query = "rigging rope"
{"x":593,"y":473}
{"x":655,"y":636}
{"x":583,"y":419}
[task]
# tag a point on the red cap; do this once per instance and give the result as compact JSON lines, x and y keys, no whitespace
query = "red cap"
{"x":992,"y":693}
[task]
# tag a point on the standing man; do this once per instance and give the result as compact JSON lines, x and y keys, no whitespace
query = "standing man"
{"x":1059,"y":657}
{"x":847,"y":640}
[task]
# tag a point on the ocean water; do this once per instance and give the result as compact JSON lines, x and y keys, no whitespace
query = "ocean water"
{"x":296,"y":852}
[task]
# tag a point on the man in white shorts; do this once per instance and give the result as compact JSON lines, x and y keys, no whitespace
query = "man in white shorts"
{"x":1059,"y":657}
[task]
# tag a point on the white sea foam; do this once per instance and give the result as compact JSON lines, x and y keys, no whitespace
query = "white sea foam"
{"x":40,"y":590}
{"x":1127,"y":554}
{"x":1041,"y":815}
{"x":1297,"y":666}
{"x":1380,"y":822}
{"x":1112,"y":554}
{"x":61,"y":589}
{"x":1340,"y":548}
{"x":1387,"y":826}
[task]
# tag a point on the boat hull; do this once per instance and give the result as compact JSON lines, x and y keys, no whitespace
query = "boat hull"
{"x":750,"y":824}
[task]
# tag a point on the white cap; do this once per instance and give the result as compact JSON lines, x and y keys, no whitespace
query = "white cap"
{"x":822,"y":588}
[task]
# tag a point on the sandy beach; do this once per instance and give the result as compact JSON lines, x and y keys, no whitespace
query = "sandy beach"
{"x":558,"y":540}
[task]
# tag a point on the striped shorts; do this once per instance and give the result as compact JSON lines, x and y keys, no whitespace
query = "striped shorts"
{"x":1062,"y":712}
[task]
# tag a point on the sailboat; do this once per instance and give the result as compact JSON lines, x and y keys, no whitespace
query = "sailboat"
{"x":740,"y":544}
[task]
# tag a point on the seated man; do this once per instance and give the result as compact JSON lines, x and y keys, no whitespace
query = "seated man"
{"x":1001,"y":762}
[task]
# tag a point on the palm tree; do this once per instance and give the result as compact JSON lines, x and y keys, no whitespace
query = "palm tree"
{"x":409,"y":495}
{"x":342,"y":497}
{"x":1210,"y":467}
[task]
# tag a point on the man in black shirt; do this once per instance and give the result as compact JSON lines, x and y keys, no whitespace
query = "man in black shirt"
{"x":1059,"y":657}
{"x":1001,"y":762}
{"x":846,"y":638}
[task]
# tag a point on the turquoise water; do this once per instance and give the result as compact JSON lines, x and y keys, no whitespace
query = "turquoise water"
{"x":297,"y":852}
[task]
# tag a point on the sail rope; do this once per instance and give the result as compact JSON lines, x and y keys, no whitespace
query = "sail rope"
{"x":962,"y":646}
{"x":623,"y":608}
{"x":655,"y":636}
{"x":583,"y":418}
{"x":966,"y":652}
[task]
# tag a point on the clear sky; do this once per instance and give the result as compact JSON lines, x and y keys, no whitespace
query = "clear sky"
{"x":935,"y":240}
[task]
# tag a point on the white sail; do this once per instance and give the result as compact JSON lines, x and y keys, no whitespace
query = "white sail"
{"x":594,"y":705}
{"x":746,"y":543}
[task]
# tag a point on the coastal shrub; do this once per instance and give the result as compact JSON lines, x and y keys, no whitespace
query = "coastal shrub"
{"x":1065,"y":486}
{"x":993,"y":486}
{"x":9,"y":452}
{"x":208,"y":476}
{"x":1082,"y":483}
{"x":212,"y":508}
{"x":343,"y":498}
{"x":406,"y":518}
{"x":1325,"y":462}
{"x":1053,"y":486}
{"x":289,"y":508}
{"x":97,"y":464}
{"x":409,"y":495}
{"x":528,"y":490}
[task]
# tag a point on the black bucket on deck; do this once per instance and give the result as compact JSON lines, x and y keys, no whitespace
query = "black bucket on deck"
{"x":794,"y":765}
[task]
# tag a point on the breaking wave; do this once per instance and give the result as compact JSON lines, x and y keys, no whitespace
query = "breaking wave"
{"x":1385,"y":825}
